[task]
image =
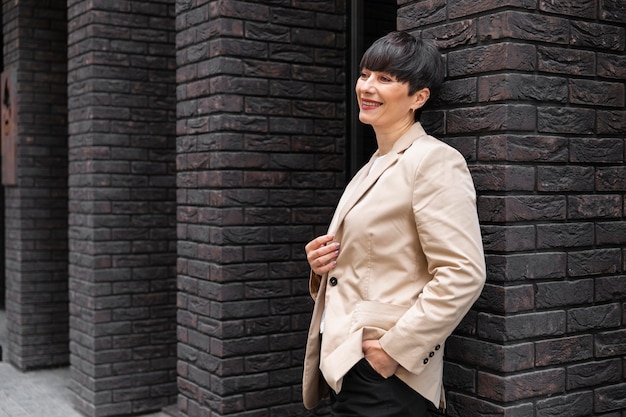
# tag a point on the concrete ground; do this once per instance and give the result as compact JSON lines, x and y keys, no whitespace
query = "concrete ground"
{"x":42,"y":393}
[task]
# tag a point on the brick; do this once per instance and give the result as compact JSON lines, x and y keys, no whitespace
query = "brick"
{"x":419,"y":14}
{"x":503,"y":177}
{"x":432,"y":121}
{"x":612,"y":343}
{"x":569,"y":349}
{"x":565,"y":120}
{"x":266,"y":362}
{"x":597,"y":36}
{"x":611,"y":122}
{"x":594,"y":206}
{"x":578,"y":8}
{"x":508,"y":238}
{"x":612,"y":10}
{"x":239,"y":384}
{"x":522,"y":87}
{"x":611,"y":65}
{"x":521,"y":208}
{"x":507,"y":299}
{"x":453,"y":34}
{"x":565,"y":235}
{"x":524,"y":26}
{"x":574,"y":405}
{"x":520,"y":267}
{"x":566,"y":61}
{"x":313,"y":37}
{"x":522,"y":148}
{"x":458,"y":91}
{"x":610,"y":288}
{"x":266,"y":32}
{"x":269,"y":397}
{"x":464,"y":8}
{"x":240,"y":10}
{"x":290,"y":53}
{"x":559,"y":179}
{"x":501,"y":56}
{"x":597,"y":150}
{"x":610,"y":398}
{"x":293,"y":16}
{"x":491,"y":118}
{"x":590,"y":374}
{"x":468,"y":324}
{"x":521,"y":386}
{"x":611,"y":179}
{"x":596,"y":93}
{"x":596,"y":317}
{"x":493,"y":356}
{"x":459,"y":377}
{"x":521,"y":326}
{"x":594,"y":262}
{"x":332,"y":21}
{"x":459,"y":405}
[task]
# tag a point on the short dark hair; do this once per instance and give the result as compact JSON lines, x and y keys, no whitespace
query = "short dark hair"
{"x":415,"y":61}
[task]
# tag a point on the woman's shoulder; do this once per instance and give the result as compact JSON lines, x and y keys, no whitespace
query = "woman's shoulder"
{"x":427,"y":145}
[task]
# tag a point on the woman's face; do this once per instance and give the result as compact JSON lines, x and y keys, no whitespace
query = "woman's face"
{"x":384,"y":102}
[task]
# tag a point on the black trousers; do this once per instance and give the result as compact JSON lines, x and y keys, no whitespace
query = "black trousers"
{"x":365,"y":393}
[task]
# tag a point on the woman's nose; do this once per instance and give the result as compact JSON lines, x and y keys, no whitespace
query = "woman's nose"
{"x":367,"y":84}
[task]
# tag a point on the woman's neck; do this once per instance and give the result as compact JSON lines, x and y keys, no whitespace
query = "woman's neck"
{"x":386,"y":138}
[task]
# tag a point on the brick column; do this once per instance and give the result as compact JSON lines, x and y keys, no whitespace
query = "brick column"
{"x":35,"y":179}
{"x":536,"y":102}
{"x":260,"y":160}
{"x":122,"y":205}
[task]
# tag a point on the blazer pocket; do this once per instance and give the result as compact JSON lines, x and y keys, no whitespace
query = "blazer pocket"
{"x":375,"y":318}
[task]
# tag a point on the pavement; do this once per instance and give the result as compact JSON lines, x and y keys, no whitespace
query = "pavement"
{"x":41,"y":393}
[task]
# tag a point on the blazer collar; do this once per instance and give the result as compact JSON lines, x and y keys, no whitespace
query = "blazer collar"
{"x":364,"y":179}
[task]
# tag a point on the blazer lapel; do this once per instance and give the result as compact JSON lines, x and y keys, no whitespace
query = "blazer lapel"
{"x":365,"y":179}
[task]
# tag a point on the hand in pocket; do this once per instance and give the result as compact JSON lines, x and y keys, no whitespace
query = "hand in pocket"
{"x":382,"y":363}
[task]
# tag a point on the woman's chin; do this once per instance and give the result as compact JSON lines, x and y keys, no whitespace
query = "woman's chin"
{"x":364,"y":119}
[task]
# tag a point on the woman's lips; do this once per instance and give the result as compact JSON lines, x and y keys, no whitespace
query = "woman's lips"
{"x":368,"y":104}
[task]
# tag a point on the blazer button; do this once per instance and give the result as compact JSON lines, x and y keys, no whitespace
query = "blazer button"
{"x":333,"y":281}
{"x":437,"y":347}
{"x":425,"y":361}
{"x":431,"y":354}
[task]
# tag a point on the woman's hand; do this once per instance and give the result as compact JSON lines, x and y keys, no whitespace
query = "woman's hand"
{"x":382,"y":363}
{"x":322,"y":253}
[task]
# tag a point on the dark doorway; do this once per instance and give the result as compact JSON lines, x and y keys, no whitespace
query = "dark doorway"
{"x":2,"y":232}
{"x":368,"y":21}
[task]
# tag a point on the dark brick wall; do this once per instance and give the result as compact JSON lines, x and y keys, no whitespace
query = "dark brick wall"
{"x":535,"y":100}
{"x":260,"y":158}
{"x":36,"y":206}
{"x":122,"y":205}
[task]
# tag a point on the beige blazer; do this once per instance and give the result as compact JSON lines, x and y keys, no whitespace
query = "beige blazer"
{"x":411,"y":265}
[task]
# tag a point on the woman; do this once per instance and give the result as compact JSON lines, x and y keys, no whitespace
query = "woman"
{"x":402,"y":261}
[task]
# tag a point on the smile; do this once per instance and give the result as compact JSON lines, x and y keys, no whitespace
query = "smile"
{"x":368,"y":103}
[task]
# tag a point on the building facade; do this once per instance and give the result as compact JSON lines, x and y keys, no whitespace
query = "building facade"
{"x":165,"y":161}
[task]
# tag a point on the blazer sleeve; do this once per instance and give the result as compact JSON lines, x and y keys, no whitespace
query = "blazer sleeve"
{"x":444,"y":206}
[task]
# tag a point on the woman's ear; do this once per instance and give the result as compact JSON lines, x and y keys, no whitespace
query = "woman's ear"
{"x":421,"y":97}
